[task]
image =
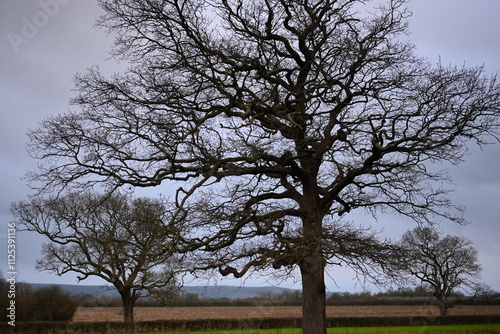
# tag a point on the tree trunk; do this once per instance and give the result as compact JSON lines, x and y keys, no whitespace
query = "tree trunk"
{"x":443,"y":309}
{"x":128,"y":306}
{"x":312,"y":263}
{"x":313,"y":294}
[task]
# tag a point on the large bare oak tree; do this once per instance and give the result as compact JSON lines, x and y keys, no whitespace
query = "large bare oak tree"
{"x":124,"y":241}
{"x":275,"y":119}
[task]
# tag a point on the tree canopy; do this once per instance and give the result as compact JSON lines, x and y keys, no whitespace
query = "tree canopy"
{"x":274,"y":119}
{"x":445,"y":263}
{"x":126,"y":242}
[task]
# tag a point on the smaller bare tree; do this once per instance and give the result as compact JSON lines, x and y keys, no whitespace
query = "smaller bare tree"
{"x":122,"y":240}
{"x":445,"y":264}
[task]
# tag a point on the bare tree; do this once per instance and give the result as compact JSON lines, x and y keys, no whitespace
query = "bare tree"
{"x":125,"y":242}
{"x":277,"y":118}
{"x":445,"y":264}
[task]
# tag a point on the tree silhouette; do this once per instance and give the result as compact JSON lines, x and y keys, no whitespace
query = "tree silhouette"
{"x":123,"y":241}
{"x":445,"y":264}
{"x":274,"y":119}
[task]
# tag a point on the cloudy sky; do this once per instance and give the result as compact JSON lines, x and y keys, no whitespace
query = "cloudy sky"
{"x":44,"y":43}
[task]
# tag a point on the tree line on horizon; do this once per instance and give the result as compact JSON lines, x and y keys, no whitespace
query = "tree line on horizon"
{"x":53,"y":303}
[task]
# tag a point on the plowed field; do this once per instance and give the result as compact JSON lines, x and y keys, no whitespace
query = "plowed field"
{"x":96,"y":314}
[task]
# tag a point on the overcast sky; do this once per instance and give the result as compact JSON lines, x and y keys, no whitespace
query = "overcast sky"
{"x":44,"y":43}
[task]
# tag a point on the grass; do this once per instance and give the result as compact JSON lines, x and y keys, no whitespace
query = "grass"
{"x":448,"y":329}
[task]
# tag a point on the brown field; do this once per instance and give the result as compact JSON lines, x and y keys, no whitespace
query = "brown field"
{"x":97,"y":314}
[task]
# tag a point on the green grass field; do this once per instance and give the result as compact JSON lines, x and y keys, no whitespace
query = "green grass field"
{"x":448,"y":329}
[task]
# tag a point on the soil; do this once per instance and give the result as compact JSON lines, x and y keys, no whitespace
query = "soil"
{"x":98,"y":314}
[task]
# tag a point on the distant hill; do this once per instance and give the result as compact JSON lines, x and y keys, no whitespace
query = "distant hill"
{"x":208,"y":291}
{"x":232,"y":292}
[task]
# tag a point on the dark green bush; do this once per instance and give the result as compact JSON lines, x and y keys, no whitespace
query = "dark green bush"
{"x":44,"y":304}
{"x":53,"y":304}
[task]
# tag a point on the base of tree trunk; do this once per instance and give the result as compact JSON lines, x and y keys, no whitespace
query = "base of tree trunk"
{"x":313,"y":295}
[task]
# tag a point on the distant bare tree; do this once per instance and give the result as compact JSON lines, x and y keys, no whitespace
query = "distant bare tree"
{"x":275,"y":119}
{"x":445,"y":264}
{"x":123,"y":241}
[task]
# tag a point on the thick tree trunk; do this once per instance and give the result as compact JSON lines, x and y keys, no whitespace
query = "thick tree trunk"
{"x":128,"y":306}
{"x":312,"y":263}
{"x":443,"y":309}
{"x":313,"y":294}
